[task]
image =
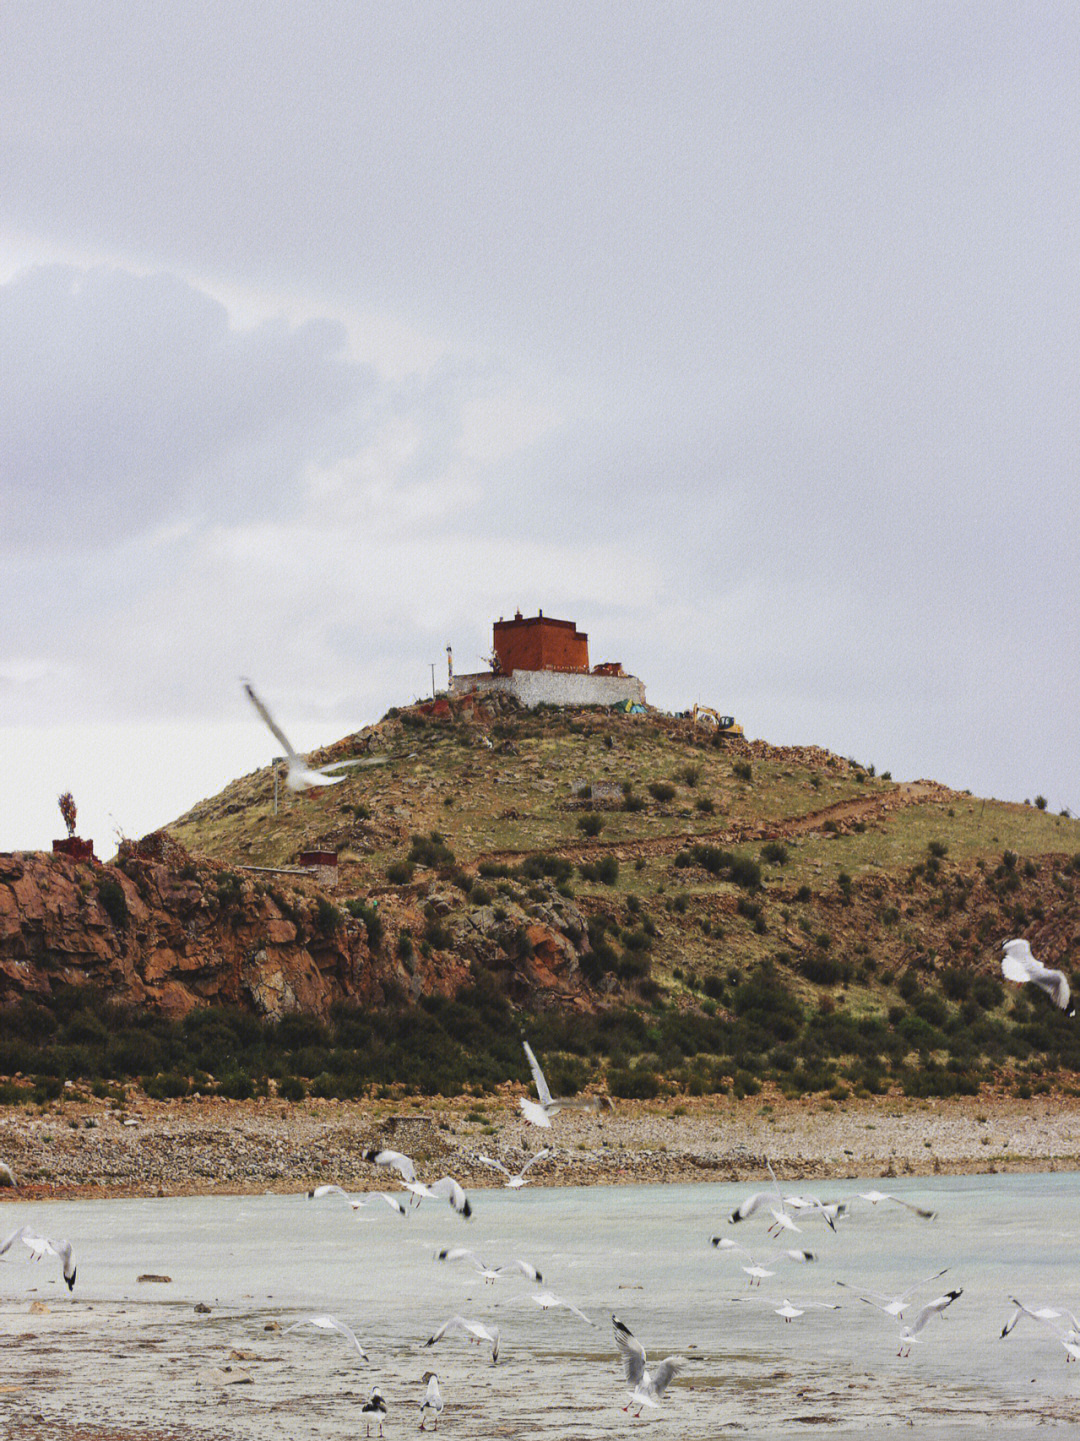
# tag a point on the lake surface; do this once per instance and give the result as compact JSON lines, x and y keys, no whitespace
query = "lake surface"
{"x":137,"y":1356}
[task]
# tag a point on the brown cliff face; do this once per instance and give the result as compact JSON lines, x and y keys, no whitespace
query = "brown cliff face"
{"x":167,"y":930}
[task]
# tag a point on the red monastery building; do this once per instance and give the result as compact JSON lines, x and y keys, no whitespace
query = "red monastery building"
{"x":541,"y":660}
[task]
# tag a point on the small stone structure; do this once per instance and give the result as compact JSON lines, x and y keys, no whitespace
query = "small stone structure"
{"x":541,"y":661}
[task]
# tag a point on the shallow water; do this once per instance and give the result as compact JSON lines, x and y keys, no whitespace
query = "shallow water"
{"x":137,"y":1355}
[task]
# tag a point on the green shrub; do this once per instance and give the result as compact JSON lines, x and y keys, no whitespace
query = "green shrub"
{"x":373,"y":922}
{"x":430,"y":851}
{"x":775,"y":852}
{"x":166,"y":1087}
{"x":742,"y":771}
{"x":327,"y":916}
{"x":591,"y":823}
{"x":705,"y":805}
{"x":400,"y":873}
{"x":661,"y":790}
{"x":638,"y":1084}
{"x":291,"y":1088}
{"x":113,"y":901}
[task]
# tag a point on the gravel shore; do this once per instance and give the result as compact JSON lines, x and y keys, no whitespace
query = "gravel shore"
{"x":217,"y":1147}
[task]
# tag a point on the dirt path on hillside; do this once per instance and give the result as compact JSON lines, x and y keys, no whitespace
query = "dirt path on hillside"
{"x":842,"y":814}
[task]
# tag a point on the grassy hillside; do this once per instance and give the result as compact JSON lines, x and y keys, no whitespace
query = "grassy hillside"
{"x":741,"y":912}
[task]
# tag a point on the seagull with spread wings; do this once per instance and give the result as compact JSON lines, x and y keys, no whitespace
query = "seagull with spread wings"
{"x":329,"y":1323}
{"x":514,"y":1182}
{"x":300,"y":776}
{"x":539,"y":1112}
{"x":1018,"y":964}
{"x":646,"y":1386}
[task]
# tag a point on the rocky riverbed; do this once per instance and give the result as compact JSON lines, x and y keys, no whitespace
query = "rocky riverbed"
{"x":207,"y":1146}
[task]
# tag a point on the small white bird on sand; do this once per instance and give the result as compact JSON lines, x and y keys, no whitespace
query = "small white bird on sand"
{"x":329,"y":1323}
{"x":300,"y":776}
{"x":373,"y":1407}
{"x":646,"y":1386}
{"x":475,"y":1330}
{"x":514,"y":1182}
{"x":1018,"y":964}
{"x":432,"y":1401}
{"x":910,"y":1333}
{"x":892,"y":1305}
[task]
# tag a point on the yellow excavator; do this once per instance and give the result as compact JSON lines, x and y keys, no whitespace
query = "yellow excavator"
{"x":725,"y":724}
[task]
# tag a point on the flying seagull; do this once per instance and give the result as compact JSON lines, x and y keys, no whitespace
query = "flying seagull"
{"x":300,"y":775}
{"x":329,"y":1323}
{"x":1018,"y":964}
{"x":892,"y":1305}
{"x":540,"y":1113}
{"x":932,"y":1308}
{"x":490,"y":1273}
{"x":475,"y":1330}
{"x":401,"y":1163}
{"x":514,"y":1183}
{"x":647,"y":1386}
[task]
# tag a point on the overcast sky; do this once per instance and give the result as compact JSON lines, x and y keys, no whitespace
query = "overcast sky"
{"x":745,"y":335}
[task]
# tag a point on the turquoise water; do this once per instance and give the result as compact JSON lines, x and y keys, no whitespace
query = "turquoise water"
{"x":124,"y":1352}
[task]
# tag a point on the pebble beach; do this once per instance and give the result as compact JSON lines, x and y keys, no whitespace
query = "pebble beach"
{"x":210,"y":1146}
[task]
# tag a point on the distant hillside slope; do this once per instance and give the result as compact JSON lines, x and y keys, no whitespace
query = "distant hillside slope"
{"x":737,"y":910}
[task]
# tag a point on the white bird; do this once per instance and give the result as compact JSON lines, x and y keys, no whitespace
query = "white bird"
{"x":432,"y":1399}
{"x":790,"y":1311}
{"x":757,"y":1270}
{"x":875,"y":1197}
{"x":373,"y":1406}
{"x":396,"y":1159}
{"x":910,"y":1333}
{"x":300,"y":776}
{"x":476,"y":1330}
{"x":1045,"y":1314}
{"x":7,"y":1176}
{"x":321,"y":1191}
{"x":514,"y":1182}
{"x":358,"y":1202}
{"x":445,"y":1189}
{"x":892,"y":1305}
{"x":1018,"y":964}
{"x":646,"y":1386}
{"x":540,"y":1113}
{"x":329,"y":1323}
{"x":19,"y":1234}
{"x":39,"y":1245}
{"x":546,"y":1299}
{"x":490,"y":1273}
{"x":67,"y":1261}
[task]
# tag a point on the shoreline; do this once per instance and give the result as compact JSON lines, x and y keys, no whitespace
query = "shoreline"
{"x":216,"y":1147}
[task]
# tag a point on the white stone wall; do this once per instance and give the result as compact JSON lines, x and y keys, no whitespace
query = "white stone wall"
{"x":555,"y":687}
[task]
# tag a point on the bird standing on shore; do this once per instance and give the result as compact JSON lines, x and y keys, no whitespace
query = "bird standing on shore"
{"x":373,"y":1406}
{"x":432,"y":1399}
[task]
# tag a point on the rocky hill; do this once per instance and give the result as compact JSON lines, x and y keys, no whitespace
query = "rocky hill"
{"x":581,"y":863}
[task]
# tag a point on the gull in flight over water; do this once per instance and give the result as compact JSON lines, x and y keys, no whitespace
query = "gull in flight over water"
{"x":910,"y":1333}
{"x":475,"y":1330}
{"x":892,"y":1305}
{"x":1069,"y":1336}
{"x":490,"y":1273}
{"x":329,"y":1323}
{"x":432,"y":1399}
{"x":874,"y":1197}
{"x":357,"y":1202}
{"x":757,"y":1270}
{"x":1018,"y":964}
{"x":300,"y":776}
{"x":514,"y":1183}
{"x":646,"y":1386}
{"x":539,"y":1113}
{"x":19,"y":1234}
{"x":546,"y":1299}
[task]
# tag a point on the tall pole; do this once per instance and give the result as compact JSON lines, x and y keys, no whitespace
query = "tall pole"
{"x":432,"y":680}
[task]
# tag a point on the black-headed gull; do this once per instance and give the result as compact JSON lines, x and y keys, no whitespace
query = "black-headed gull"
{"x":514,"y":1182}
{"x":910,"y":1334}
{"x":300,"y":776}
{"x":646,"y":1386}
{"x":758,"y":1270}
{"x":432,"y":1401}
{"x":373,"y":1406}
{"x":1018,"y":964}
{"x":892,"y":1305}
{"x":539,"y":1113}
{"x":475,"y":1330}
{"x":329,"y":1323}
{"x":491,"y":1274}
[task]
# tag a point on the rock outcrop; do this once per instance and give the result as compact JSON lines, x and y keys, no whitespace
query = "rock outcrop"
{"x":165,"y":929}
